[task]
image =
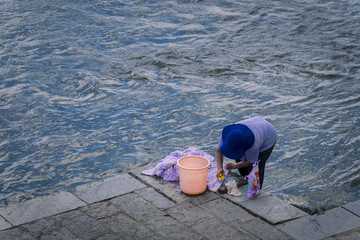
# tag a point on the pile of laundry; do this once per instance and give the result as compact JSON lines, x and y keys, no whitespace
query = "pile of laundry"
{"x":169,"y":170}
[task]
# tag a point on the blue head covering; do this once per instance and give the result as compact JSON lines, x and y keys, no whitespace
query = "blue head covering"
{"x":237,"y":138}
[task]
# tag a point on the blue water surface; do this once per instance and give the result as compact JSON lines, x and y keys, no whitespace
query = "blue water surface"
{"x":89,"y":89}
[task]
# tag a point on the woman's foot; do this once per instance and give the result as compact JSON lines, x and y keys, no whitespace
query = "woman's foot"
{"x":242,"y":181}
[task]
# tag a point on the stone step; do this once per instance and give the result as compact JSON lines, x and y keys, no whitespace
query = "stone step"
{"x":129,"y":204}
{"x":330,"y":223}
{"x":41,"y":207}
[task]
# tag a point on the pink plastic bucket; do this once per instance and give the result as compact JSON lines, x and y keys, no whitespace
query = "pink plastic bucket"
{"x":193,"y":174}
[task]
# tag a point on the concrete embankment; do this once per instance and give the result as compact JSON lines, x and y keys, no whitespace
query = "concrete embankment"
{"x":134,"y":206}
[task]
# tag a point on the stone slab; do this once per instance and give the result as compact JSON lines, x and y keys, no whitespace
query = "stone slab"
{"x":336,"y":221}
{"x":203,"y":198}
{"x":262,"y":230}
{"x":272,"y":209}
{"x":80,"y":225}
{"x":188,"y":213}
{"x":332,"y":222}
{"x":353,"y":207}
{"x":124,"y":227}
{"x":107,"y":188}
{"x":227,"y":211}
{"x":100,"y":210}
{"x":170,"y":189}
{"x":303,"y":229}
{"x":16,"y":234}
{"x":4,"y":224}
{"x":348,"y":235}
{"x":137,"y":207}
{"x":40,"y":207}
{"x":214,"y":229}
{"x":57,"y":234}
{"x":155,"y":198}
{"x":169,"y":228}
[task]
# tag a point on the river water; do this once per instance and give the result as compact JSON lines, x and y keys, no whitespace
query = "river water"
{"x":89,"y":89}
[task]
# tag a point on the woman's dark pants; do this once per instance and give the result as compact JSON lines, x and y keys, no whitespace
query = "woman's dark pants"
{"x":263,"y":156}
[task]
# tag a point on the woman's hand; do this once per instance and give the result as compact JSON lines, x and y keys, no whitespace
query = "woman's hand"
{"x":220,"y":172}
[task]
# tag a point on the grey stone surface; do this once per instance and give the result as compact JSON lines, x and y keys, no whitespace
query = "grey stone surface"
{"x":169,"y":228}
{"x":107,"y":188}
{"x":48,"y":228}
{"x":116,"y":237}
{"x":142,"y":211}
{"x":100,"y":210}
{"x":4,"y":224}
{"x":215,"y":229}
{"x":348,"y":235}
{"x":16,"y":234}
{"x":42,"y":227}
{"x":81,"y":225}
{"x":337,"y":220}
{"x":59,"y":234}
{"x":125,"y":227}
{"x":136,"y":207}
{"x":303,"y":228}
{"x":263,"y":230}
{"x":203,"y":198}
{"x":70,"y":225}
{"x":155,"y":198}
{"x":227,"y":211}
{"x":272,"y":209}
{"x":332,"y":222}
{"x":188,"y":213}
{"x":353,"y":207}
{"x":40,"y":207}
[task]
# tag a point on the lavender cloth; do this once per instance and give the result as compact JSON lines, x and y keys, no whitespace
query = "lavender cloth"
{"x":169,"y":171}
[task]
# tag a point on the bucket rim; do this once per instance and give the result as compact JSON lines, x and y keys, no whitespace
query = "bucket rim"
{"x":193,"y":169}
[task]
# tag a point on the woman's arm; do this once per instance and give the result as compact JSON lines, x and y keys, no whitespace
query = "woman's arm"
{"x":219,"y":161}
{"x":242,"y":164}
